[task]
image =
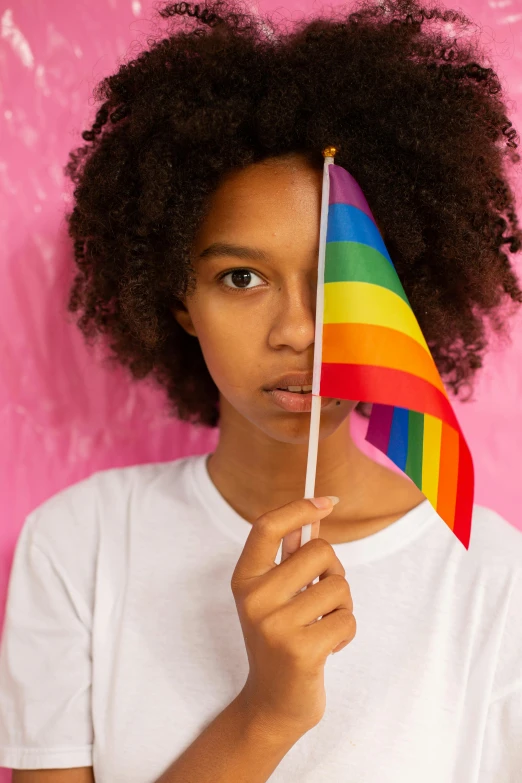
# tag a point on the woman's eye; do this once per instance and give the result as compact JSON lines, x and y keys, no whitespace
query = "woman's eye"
{"x":240,"y":279}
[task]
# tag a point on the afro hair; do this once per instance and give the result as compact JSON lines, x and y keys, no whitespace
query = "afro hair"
{"x":417,"y":118}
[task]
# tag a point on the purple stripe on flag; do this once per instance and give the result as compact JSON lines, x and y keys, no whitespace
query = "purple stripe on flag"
{"x":344,"y":189}
{"x":379,"y":426}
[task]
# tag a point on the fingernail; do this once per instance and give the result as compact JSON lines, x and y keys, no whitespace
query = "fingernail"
{"x":323,"y":502}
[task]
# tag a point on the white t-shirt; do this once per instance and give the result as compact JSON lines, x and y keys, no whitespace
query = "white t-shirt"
{"x":122,"y":642}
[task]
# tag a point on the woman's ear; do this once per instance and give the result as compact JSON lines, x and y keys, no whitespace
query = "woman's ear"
{"x":182,"y":316}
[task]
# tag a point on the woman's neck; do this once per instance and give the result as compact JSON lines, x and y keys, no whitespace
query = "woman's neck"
{"x":256,"y":474}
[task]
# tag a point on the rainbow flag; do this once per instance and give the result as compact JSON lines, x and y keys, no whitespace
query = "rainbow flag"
{"x":373,"y":350}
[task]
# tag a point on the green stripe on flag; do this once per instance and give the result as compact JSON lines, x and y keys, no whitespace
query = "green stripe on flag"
{"x":355,"y":262}
{"x":413,"y":467}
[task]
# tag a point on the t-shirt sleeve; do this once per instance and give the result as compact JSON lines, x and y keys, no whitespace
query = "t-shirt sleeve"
{"x":45,"y":663}
{"x":501,"y":758}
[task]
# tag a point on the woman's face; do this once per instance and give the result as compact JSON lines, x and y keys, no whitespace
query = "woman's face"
{"x":259,"y":323}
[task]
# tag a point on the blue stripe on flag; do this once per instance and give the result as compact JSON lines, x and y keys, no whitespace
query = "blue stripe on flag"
{"x":398,"y":445}
{"x":346,"y":223}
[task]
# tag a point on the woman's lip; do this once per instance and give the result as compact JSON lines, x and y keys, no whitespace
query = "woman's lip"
{"x":294,"y":401}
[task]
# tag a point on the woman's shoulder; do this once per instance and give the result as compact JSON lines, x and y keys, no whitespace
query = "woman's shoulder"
{"x":74,"y":515}
{"x":497,"y":540}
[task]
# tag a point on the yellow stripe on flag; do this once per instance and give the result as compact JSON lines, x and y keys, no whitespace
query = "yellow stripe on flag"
{"x":366,"y":303}
{"x":431,"y":457}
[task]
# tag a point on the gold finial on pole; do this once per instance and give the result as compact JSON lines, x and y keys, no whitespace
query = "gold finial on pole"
{"x":329,"y":152}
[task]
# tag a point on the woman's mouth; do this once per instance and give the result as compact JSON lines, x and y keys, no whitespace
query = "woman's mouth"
{"x":295,"y":402}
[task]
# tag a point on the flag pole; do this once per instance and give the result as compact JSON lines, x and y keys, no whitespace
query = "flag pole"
{"x":315,"y":415}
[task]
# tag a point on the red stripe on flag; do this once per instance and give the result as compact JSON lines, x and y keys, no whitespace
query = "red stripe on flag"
{"x":367,"y":383}
{"x":464,"y":502}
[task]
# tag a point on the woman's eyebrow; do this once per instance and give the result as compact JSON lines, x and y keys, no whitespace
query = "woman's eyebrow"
{"x":239,"y":251}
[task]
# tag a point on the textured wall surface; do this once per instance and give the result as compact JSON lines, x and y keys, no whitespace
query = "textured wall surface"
{"x":62,"y":414}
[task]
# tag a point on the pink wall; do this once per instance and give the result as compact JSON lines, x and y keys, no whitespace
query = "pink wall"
{"x":62,"y":415}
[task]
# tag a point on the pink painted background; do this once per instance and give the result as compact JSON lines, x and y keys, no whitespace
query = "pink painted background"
{"x":63,"y":415}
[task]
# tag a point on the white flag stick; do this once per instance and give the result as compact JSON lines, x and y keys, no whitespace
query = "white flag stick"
{"x":315,"y":416}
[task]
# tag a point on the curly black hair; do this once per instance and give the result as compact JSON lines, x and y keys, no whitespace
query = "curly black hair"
{"x":416,"y":116}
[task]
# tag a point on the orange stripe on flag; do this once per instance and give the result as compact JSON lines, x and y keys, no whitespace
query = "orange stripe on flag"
{"x":448,"y":474}
{"x":370,"y":344}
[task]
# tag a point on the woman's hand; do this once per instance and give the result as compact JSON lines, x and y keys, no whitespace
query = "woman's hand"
{"x":286,"y":644}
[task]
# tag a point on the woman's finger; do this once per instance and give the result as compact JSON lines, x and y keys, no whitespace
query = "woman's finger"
{"x":292,"y":541}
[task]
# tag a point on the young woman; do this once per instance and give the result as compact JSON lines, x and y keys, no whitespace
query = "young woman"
{"x":152,"y":632}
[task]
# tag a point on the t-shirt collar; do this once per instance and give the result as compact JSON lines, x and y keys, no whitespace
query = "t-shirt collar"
{"x":373,"y":547}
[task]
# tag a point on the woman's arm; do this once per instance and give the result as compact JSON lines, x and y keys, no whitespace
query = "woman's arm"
{"x":237,"y":747}
{"x":75,"y":775}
